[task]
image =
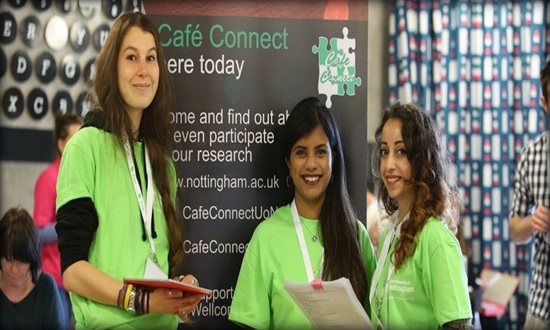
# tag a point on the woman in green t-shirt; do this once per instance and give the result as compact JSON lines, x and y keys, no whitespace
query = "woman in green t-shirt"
{"x":420,"y":281}
{"x":116,"y":190}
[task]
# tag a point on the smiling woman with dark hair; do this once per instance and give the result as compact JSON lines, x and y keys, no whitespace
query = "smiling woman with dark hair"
{"x":28,"y":298}
{"x":316,"y":235}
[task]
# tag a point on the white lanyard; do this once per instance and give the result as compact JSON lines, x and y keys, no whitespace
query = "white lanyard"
{"x":146,"y":212}
{"x":394,"y":231}
{"x":302,"y":242}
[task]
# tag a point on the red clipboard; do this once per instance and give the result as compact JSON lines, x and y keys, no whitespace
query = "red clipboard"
{"x":168,"y":284}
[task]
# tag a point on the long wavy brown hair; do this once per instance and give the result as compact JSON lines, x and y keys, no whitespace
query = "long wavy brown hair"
{"x":432,"y":194}
{"x":155,"y":124}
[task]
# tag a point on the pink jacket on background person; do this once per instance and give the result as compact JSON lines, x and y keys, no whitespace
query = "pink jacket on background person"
{"x":44,"y":215}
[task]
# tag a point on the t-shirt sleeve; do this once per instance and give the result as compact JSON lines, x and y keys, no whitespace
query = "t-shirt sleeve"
{"x":444,"y":274}
{"x":251,"y":303}
{"x":76,"y":172}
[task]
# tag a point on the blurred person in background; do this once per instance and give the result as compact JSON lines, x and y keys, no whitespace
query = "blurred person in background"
{"x":29,"y":298}
{"x":530,"y":213}
{"x":44,"y":203}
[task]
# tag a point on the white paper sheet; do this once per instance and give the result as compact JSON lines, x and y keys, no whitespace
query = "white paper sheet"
{"x":335,"y":306}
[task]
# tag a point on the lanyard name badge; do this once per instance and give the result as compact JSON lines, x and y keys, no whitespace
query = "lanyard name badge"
{"x":394,"y":231}
{"x":302,"y":242}
{"x":146,"y":210}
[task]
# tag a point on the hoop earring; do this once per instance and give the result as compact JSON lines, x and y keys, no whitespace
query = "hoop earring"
{"x":289,"y":184}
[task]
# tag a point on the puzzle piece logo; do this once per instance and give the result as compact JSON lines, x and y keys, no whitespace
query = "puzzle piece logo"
{"x":336,"y":66}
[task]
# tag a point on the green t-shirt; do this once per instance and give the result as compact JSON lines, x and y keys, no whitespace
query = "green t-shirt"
{"x":94,"y":165}
{"x":273,"y":256}
{"x":431,"y":287}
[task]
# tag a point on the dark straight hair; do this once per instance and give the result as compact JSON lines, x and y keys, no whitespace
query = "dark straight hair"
{"x":19,"y":240}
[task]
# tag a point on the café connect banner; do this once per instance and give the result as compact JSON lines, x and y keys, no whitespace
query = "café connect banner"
{"x":235,"y":80}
